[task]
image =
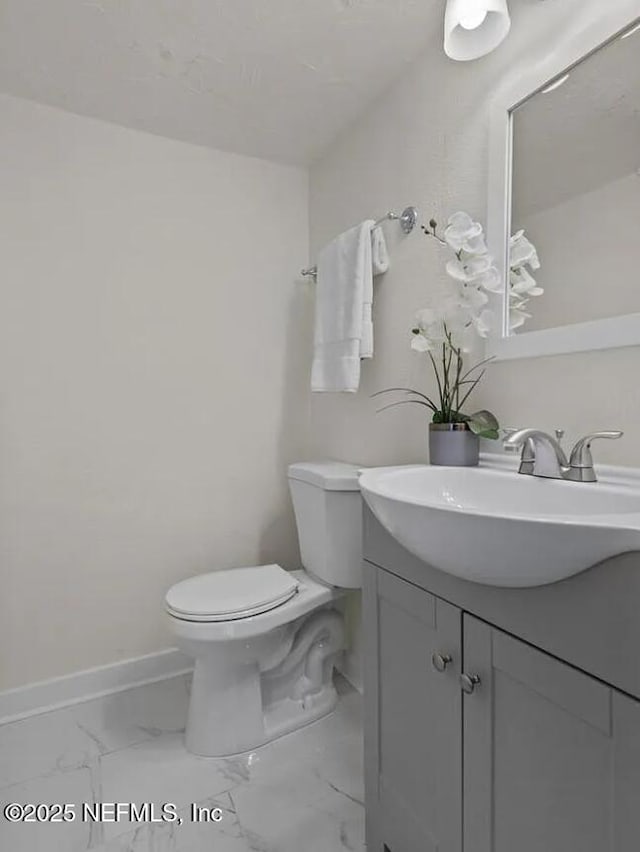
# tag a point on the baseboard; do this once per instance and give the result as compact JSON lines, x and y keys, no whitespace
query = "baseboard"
{"x":350,"y":668}
{"x":82,"y":686}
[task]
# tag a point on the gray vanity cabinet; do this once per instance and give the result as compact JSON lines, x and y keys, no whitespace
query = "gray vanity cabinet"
{"x":551,"y":755}
{"x":414,"y":761}
{"x":536,"y":756}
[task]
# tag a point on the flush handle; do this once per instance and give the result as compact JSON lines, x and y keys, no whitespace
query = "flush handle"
{"x":441,"y":661}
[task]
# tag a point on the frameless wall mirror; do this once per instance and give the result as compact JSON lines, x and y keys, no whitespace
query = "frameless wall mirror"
{"x":565,"y":214}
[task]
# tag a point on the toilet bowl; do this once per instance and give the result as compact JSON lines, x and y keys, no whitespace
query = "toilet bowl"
{"x":265,"y":640}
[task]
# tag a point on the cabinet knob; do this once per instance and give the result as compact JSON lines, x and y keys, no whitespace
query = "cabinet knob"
{"x":469,"y":682}
{"x":441,"y":661}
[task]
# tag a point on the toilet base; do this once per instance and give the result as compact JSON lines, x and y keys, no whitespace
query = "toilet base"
{"x":288,"y":715}
{"x":236,"y":705}
{"x":206,"y":739}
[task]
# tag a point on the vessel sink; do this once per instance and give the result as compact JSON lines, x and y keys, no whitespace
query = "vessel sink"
{"x":496,"y":527}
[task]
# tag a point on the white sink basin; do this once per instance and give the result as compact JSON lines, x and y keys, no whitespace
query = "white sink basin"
{"x":493,"y":526}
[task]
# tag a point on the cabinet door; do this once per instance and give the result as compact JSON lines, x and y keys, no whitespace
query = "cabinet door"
{"x":413,"y":723}
{"x":551,"y":755}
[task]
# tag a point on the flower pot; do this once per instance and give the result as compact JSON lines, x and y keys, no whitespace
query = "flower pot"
{"x":453,"y":444}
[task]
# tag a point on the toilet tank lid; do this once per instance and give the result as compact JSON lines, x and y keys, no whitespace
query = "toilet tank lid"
{"x":329,"y":475}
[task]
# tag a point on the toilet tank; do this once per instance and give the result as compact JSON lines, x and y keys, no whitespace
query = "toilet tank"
{"x":328,"y":508}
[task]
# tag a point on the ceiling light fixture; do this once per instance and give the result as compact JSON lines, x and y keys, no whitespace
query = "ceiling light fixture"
{"x":473,"y":28}
{"x":556,"y":84}
{"x":473,"y":19}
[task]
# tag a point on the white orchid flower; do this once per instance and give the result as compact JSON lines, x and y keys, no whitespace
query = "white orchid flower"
{"x":467,"y":340}
{"x":463,"y":338}
{"x":522,"y":252}
{"x":475,"y":244}
{"x":463,"y":316}
{"x":468,"y":269}
{"x":462,"y":306}
{"x":478,"y":264}
{"x":491,"y":281}
{"x":419,"y":343}
{"x":484,"y":323}
{"x":524,"y":284}
{"x":517,"y":317}
{"x":467,"y":326}
{"x":475,"y":298}
{"x":427,"y":317}
{"x":517,"y":301}
{"x":461,"y":231}
{"x":457,"y":270}
{"x":431,"y":324}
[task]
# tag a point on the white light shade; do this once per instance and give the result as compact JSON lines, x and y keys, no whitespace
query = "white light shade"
{"x":463,"y":40}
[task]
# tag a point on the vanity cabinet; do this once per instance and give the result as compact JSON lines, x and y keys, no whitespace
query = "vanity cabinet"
{"x":416,"y":722}
{"x":551,"y":755}
{"x":476,"y":741}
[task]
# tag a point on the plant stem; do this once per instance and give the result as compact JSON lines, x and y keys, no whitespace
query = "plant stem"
{"x":435,"y":370}
{"x":450,"y":389}
{"x":472,"y":388}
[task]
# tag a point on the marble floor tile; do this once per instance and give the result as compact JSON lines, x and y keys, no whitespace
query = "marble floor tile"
{"x":137,"y":840}
{"x":159,"y":771}
{"x":42,"y":745}
{"x":193,"y":836}
{"x":135,"y":715}
{"x":70,"y":737}
{"x":75,"y":786}
{"x":302,"y":792}
{"x":297,"y":813}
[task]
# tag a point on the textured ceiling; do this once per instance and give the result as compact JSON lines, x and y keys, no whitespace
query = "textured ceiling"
{"x":271,"y":78}
{"x":582,"y":135}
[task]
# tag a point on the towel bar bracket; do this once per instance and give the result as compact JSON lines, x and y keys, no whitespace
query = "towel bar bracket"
{"x":408,"y":219}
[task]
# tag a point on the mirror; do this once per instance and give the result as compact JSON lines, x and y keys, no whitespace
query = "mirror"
{"x":570,"y":212}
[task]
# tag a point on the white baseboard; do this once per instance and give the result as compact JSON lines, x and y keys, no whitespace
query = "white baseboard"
{"x":47,"y":695}
{"x":350,"y":668}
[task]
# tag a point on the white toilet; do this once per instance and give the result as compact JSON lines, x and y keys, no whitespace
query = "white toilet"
{"x":265,"y":640}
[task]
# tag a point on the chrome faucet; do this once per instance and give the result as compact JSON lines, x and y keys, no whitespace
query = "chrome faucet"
{"x":542,"y":454}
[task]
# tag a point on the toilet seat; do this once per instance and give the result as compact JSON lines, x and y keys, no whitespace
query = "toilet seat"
{"x":231,"y":595}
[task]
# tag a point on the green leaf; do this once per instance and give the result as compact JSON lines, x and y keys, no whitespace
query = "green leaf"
{"x":449,"y":417}
{"x":409,"y":391}
{"x":405,"y":402}
{"x":484,"y":424}
{"x":491,"y":434}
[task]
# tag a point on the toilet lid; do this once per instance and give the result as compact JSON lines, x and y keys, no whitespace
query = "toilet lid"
{"x":229,"y":595}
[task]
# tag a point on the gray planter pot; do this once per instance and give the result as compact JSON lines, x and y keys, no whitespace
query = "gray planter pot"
{"x":453,"y":444}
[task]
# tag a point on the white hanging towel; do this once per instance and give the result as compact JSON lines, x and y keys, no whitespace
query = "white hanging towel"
{"x":344,"y":296}
{"x":380,"y":265}
{"x":380,"y":255}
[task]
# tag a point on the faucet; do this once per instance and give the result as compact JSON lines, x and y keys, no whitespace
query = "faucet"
{"x":542,"y":454}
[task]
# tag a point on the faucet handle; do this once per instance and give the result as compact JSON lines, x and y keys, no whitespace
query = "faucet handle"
{"x":581,"y":454}
{"x":560,"y":433}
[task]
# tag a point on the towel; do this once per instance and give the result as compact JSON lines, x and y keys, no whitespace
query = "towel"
{"x":380,"y":265}
{"x":344,"y":296}
{"x":379,"y":253}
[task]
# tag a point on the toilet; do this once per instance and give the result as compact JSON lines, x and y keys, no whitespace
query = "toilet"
{"x":265,"y":640}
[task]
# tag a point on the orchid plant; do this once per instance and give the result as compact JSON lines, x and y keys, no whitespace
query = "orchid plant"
{"x":447,"y":333}
{"x":523,"y":259}
{"x":450,"y":331}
